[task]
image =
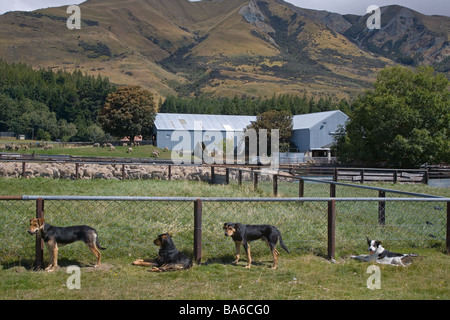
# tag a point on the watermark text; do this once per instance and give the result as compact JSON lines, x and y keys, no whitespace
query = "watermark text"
{"x":74,"y":21}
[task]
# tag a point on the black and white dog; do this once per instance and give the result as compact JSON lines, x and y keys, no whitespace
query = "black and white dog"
{"x":380,"y":255}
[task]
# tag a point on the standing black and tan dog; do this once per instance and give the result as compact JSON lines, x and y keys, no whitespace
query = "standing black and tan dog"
{"x":242,"y":234}
{"x":169,"y":258}
{"x":55,"y":237}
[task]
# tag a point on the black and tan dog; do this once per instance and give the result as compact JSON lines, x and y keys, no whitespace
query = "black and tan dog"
{"x":242,"y":234}
{"x":55,"y":237}
{"x":169,"y":258}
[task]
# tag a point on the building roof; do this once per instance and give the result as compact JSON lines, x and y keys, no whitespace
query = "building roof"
{"x":306,"y":121}
{"x":178,"y":121}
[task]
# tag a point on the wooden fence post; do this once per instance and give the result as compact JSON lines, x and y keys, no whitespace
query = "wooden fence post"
{"x":77,"y":170}
{"x":275,"y":185}
{"x":382,"y":208}
{"x":198,"y":231}
{"x":301,"y":188}
{"x":39,"y":248}
{"x":448,"y":227}
{"x":255,"y":181}
{"x":213,"y":175}
{"x":332,"y":190}
{"x":331,"y":229}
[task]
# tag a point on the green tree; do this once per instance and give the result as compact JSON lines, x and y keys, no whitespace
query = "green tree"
{"x":128,"y":112}
{"x":270,"y":120}
{"x":402,"y":122}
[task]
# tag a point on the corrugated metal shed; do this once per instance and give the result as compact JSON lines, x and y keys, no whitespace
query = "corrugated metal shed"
{"x":178,"y":121}
{"x":307,"y":121}
{"x":316,"y":130}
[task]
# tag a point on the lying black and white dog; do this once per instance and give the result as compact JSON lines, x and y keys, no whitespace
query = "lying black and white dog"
{"x":380,"y":255}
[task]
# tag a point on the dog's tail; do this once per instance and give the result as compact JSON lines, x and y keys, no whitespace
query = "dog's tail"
{"x":282,"y":243}
{"x":97,"y":243}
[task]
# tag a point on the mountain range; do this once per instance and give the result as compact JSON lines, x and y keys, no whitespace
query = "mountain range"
{"x":226,"y":47}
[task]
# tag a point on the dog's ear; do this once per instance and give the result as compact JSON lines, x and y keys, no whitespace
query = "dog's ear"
{"x":368,"y":240}
{"x":41,"y":221}
{"x":378,"y":243}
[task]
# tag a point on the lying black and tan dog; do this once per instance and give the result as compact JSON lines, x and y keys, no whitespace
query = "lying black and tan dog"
{"x":55,"y":237}
{"x":242,"y":234}
{"x":169,"y":258}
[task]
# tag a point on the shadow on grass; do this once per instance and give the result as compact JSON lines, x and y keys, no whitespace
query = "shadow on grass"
{"x":29,"y":264}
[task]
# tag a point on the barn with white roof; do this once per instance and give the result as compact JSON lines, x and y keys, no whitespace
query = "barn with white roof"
{"x":168,"y":128}
{"x":312,"y":135}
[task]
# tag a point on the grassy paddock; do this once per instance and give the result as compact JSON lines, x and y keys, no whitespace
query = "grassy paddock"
{"x":298,"y":277}
{"x":303,"y":274}
{"x":90,"y":151}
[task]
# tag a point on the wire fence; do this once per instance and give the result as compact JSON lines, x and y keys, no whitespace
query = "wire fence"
{"x":127,"y":226}
{"x":286,"y":185}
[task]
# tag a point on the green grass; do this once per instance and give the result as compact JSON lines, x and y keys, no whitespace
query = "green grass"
{"x":127,"y":230}
{"x":89,"y":151}
{"x":299,"y":277}
{"x":145,"y":188}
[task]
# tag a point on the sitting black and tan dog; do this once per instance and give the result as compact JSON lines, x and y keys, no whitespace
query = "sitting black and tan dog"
{"x":55,"y":237}
{"x":242,"y":234}
{"x":169,"y":258}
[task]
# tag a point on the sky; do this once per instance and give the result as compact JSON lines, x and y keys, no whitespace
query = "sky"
{"x":359,"y":7}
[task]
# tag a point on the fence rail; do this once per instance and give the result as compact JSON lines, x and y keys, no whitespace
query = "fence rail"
{"x":257,"y":176}
{"x":128,"y":225}
{"x":360,"y":175}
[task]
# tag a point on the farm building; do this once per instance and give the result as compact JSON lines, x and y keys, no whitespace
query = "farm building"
{"x":169,"y":126}
{"x":313,"y":134}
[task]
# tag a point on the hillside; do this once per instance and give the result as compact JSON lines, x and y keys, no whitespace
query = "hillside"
{"x":224,"y":47}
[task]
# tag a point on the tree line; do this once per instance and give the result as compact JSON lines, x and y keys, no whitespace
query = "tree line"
{"x":251,"y":106}
{"x":60,"y":105}
{"x":402,"y":122}
{"x":51,"y":105}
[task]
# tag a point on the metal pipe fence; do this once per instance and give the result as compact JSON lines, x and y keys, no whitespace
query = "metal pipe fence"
{"x":128,"y":225}
{"x":298,"y":186}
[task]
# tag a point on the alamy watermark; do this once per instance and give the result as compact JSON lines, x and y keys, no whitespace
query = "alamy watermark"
{"x":74,"y":281}
{"x":374,"y":281}
{"x":374,"y":20}
{"x":235,"y":147}
{"x":74,"y":21}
